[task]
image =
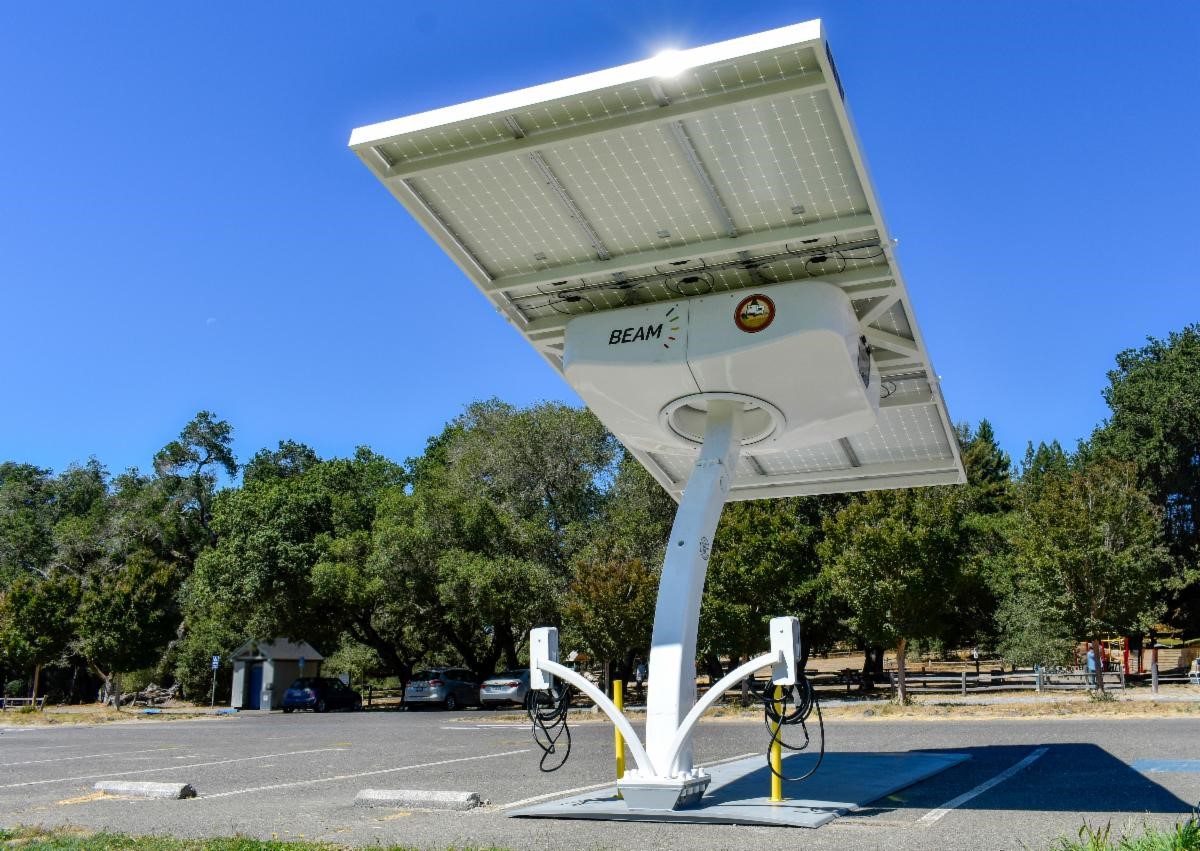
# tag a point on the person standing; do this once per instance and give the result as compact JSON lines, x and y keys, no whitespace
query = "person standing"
{"x":639,"y":676}
{"x":1091,"y":666}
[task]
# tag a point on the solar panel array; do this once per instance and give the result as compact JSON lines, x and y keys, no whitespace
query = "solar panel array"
{"x":632,"y":186}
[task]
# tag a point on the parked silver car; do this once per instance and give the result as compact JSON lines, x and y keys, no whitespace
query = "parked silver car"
{"x":448,"y":687}
{"x":505,"y":688}
{"x":512,"y":687}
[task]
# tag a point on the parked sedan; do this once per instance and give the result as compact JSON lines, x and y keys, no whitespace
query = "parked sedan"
{"x":320,"y":694}
{"x":504,"y":688}
{"x":448,"y":687}
{"x":511,"y":687}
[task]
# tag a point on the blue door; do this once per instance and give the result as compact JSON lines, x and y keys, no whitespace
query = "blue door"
{"x":254,"y":688}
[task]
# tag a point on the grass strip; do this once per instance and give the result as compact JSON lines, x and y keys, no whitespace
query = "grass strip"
{"x":67,"y":839}
{"x":1182,"y":837}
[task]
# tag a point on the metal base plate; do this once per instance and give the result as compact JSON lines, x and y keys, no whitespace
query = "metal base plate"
{"x":739,"y":791}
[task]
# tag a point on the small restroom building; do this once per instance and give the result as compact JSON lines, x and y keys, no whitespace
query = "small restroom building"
{"x":263,"y":670}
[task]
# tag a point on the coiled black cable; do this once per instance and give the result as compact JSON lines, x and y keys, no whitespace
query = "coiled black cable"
{"x":796,"y":704}
{"x":548,"y":714}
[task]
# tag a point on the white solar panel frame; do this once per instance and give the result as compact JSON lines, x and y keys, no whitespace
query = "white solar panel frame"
{"x":612,"y":188}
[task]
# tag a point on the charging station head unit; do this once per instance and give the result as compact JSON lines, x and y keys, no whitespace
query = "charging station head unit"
{"x":788,"y":353}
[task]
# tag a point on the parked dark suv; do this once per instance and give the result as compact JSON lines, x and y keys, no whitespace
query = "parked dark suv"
{"x":320,"y":694}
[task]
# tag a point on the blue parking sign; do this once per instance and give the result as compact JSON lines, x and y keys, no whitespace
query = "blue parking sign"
{"x":216,"y":662}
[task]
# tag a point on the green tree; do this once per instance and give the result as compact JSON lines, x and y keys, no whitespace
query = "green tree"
{"x":501,"y":502}
{"x":188,"y":466}
{"x":57,"y":529}
{"x":608,"y":610}
{"x":295,"y":556}
{"x":26,"y":521}
{"x":608,"y":607}
{"x":36,"y":621}
{"x":1032,"y":631}
{"x":82,"y":514}
{"x":374,"y":600}
{"x":1048,"y":462}
{"x":290,"y":459}
{"x":542,"y":469}
{"x":636,"y":517}
{"x":989,"y":470}
{"x":765,"y":564}
{"x":269,"y":537}
{"x":488,"y":605}
{"x":1029,"y":629}
{"x":126,"y":613}
{"x":210,"y":631}
{"x":1089,"y":546}
{"x":986,"y":577}
{"x":895,"y":557}
{"x":357,"y":660}
{"x":1154,"y":396}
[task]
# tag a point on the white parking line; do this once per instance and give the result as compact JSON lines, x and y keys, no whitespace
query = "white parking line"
{"x":560,"y":794}
{"x":933,"y":815}
{"x":360,"y":774}
{"x":489,"y":727}
{"x":168,"y":768}
{"x":713,"y":762}
{"x":578,"y":789}
{"x":86,"y":756}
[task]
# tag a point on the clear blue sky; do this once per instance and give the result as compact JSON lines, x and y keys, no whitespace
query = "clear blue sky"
{"x":182,"y":226}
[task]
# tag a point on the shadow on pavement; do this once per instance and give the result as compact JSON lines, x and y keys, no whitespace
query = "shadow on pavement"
{"x":1069,"y":777}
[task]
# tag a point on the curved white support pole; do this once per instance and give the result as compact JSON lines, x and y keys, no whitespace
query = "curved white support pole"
{"x":672,"y":683}
{"x":684,"y":733}
{"x":607,"y":706}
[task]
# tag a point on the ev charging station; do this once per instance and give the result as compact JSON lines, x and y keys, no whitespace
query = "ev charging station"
{"x":694,"y":243}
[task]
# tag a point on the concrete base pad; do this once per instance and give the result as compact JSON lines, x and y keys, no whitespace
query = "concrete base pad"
{"x":740,"y":790}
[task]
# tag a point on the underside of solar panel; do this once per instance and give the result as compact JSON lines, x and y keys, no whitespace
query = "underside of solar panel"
{"x":694,"y":178}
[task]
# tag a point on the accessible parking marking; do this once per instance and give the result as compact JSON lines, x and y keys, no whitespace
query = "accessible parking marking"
{"x":1159,"y":766}
{"x":954,"y":803}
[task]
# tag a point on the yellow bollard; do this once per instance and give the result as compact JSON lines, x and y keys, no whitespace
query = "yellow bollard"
{"x":618,"y":739}
{"x":777,"y":752}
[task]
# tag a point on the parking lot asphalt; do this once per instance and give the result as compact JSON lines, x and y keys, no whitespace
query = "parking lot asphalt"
{"x":295,"y":776}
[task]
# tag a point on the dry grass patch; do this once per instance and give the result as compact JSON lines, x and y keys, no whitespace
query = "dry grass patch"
{"x":96,"y":713}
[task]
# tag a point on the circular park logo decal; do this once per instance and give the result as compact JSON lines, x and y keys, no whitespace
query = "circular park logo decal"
{"x":754,"y":313}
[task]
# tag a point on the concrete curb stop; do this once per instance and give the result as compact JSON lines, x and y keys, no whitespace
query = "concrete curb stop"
{"x":417,"y":799}
{"x":146,"y":790}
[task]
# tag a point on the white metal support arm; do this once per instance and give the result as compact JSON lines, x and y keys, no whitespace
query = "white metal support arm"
{"x":684,"y":733}
{"x":607,"y":706}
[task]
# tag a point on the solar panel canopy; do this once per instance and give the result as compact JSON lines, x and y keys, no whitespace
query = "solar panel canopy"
{"x":716,"y":169}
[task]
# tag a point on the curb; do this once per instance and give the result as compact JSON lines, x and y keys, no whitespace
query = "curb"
{"x":417,"y":799}
{"x":146,"y":790}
